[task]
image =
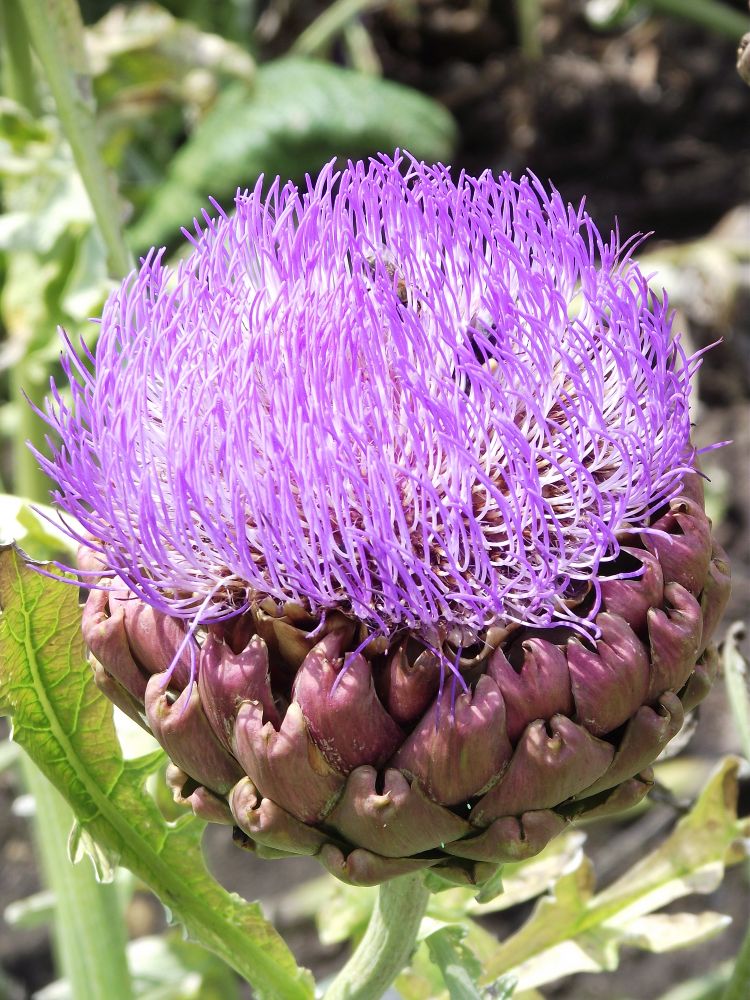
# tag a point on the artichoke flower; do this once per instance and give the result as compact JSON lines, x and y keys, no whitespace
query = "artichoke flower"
{"x":394,"y":530}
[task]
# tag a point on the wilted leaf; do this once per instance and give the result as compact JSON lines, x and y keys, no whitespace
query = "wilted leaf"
{"x":526,"y":880}
{"x":448,"y":963}
{"x":575,"y":930}
{"x":659,"y":932}
{"x":65,"y":725}
{"x":299,"y":115}
{"x":458,"y":966}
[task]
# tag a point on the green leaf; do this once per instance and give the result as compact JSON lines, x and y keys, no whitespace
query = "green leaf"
{"x":65,"y":724}
{"x":448,"y":963}
{"x":300,"y":114}
{"x":574,"y":930}
{"x":492,"y":888}
{"x":525,"y":880}
{"x":458,"y":965}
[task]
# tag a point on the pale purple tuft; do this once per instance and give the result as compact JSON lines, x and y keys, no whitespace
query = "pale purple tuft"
{"x":435,"y":404}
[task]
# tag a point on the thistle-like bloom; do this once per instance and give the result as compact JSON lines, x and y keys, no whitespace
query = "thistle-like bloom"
{"x":425,"y":402}
{"x":389,"y":426}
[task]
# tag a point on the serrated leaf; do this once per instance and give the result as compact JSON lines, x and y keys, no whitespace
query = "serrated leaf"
{"x":660,"y":932}
{"x":458,"y":966}
{"x":521,"y":881}
{"x":65,"y":724}
{"x":525,"y":880}
{"x":575,"y":930}
{"x":300,"y":114}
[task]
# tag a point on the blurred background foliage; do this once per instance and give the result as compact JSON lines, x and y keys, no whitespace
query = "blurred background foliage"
{"x":635,"y":104}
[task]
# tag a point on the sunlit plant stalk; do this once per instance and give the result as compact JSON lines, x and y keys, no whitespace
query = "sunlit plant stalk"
{"x":88,"y":928}
{"x":18,"y":80}
{"x":388,"y":942}
{"x":88,"y":931}
{"x":56,"y":33}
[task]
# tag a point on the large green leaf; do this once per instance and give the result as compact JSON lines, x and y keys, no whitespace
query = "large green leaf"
{"x":300,"y":114}
{"x":575,"y":929}
{"x":66,"y":726}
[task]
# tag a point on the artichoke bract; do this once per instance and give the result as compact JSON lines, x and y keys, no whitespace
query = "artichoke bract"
{"x":394,"y":531}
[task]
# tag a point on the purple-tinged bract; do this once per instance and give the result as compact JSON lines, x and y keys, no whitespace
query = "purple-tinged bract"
{"x":435,"y":404}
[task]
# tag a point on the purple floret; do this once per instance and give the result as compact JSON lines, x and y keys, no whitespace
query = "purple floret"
{"x":435,"y":404}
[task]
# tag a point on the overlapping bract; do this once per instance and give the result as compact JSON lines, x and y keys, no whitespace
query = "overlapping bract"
{"x":376,"y":768}
{"x":439,"y":405}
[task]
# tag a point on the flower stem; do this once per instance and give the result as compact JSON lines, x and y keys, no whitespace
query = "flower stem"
{"x":88,"y":930}
{"x":388,"y":942}
{"x":18,"y":77}
{"x":56,"y":32}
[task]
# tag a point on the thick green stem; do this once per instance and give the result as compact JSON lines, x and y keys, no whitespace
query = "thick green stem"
{"x":714,"y":16}
{"x":18,"y":75}
{"x":88,"y":934}
{"x":56,"y":33}
{"x":388,"y":942}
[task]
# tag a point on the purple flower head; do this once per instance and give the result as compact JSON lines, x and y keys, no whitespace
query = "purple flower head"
{"x":436,"y":404}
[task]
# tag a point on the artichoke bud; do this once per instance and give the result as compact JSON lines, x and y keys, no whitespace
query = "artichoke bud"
{"x":382,"y":765}
{"x":390,"y":484}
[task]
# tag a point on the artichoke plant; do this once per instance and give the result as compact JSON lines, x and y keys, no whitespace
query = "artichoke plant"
{"x":393,"y":527}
